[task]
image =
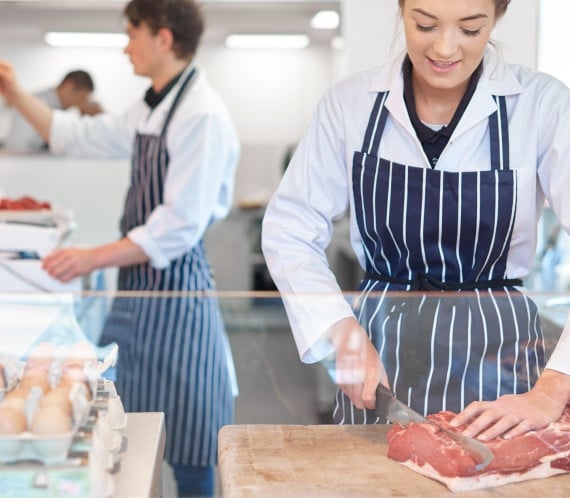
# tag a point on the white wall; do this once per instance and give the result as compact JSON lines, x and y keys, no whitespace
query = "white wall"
{"x":554,"y":39}
{"x":517,"y":32}
{"x":271,"y":94}
{"x":369,"y":30}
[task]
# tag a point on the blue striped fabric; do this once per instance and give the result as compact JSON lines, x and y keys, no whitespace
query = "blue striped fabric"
{"x":171,"y":352}
{"x":455,"y":227}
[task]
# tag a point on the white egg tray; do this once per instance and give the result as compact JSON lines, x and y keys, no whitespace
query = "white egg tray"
{"x":27,"y":446}
{"x":48,"y":449}
{"x":11,"y":371}
{"x":54,"y":449}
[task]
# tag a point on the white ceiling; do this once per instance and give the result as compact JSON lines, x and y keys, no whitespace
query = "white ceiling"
{"x":30,"y":19}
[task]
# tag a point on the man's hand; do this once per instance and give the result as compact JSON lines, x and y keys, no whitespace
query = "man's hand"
{"x":358,"y":366}
{"x":66,"y":264}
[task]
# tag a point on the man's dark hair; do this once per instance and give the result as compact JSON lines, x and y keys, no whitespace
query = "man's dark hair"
{"x":81,"y":79}
{"x":182,"y":17}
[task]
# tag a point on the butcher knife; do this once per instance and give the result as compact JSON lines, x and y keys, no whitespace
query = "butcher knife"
{"x":388,"y":407}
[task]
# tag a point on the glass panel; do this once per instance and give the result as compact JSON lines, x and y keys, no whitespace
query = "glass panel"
{"x":269,"y":382}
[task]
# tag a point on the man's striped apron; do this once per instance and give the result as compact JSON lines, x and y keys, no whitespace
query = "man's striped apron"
{"x":171,"y":350}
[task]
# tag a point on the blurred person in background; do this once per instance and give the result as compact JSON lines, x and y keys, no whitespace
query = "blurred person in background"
{"x":184,"y":152}
{"x":74,"y":91}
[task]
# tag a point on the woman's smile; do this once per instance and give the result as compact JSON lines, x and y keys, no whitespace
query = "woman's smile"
{"x":442,"y":67}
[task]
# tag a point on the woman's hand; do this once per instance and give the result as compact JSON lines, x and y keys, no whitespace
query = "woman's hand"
{"x":513,"y":415}
{"x":358,"y":366}
{"x":66,"y":264}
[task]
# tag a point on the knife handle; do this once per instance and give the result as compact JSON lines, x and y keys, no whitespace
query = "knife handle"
{"x":384,"y":391}
{"x":383,"y":397}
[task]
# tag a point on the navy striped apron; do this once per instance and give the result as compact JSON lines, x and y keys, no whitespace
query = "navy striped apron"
{"x":171,"y":351}
{"x":426,"y":231}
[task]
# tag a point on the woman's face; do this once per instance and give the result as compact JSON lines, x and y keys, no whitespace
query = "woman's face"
{"x":446,"y":39}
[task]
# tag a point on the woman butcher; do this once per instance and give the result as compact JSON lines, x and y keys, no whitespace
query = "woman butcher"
{"x":443,"y":158}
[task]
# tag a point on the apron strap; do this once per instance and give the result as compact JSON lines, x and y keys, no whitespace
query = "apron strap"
{"x":426,"y":282}
{"x":376,"y":124}
{"x":499,"y":135}
{"x":498,"y":131}
{"x":181,"y":91}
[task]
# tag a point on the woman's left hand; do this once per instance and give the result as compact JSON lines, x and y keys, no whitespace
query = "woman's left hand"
{"x":513,"y":415}
{"x":66,"y":264}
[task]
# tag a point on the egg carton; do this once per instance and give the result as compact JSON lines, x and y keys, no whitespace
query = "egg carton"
{"x":27,"y":446}
{"x":10,"y":373}
{"x":108,"y":402}
{"x":51,"y":449}
{"x":47,"y":449}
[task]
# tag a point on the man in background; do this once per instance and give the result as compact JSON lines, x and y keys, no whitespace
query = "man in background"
{"x":184,"y":152}
{"x":75,"y":90}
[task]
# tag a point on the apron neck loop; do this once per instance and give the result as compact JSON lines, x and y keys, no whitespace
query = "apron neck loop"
{"x":376,"y":124}
{"x":183,"y":87}
{"x":499,"y":135}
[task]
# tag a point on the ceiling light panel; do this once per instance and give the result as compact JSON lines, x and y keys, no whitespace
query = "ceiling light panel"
{"x":77,"y":39}
{"x":325,"y":19}
{"x":281,"y":41}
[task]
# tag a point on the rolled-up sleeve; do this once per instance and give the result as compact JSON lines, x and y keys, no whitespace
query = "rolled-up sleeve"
{"x":198,"y":189}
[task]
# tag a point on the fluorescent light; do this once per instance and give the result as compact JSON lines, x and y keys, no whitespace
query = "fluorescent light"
{"x":325,"y":19}
{"x":70,"y":39}
{"x":267,"y":41}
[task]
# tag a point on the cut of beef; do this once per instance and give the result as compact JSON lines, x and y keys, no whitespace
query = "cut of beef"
{"x":427,"y":450}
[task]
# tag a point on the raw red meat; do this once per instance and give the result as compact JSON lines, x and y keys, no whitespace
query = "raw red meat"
{"x":25,"y":203}
{"x":536,"y":454}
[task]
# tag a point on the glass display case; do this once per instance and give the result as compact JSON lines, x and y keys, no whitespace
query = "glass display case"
{"x":269,"y":383}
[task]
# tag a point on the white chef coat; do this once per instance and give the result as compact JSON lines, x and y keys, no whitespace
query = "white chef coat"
{"x":203,"y":148}
{"x":317,"y":186}
{"x":22,"y":136}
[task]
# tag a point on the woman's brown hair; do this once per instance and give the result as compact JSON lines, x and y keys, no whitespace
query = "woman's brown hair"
{"x":500,"y":6}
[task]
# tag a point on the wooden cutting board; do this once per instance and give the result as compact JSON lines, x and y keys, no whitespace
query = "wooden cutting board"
{"x":316,"y":461}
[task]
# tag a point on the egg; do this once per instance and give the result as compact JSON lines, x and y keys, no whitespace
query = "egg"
{"x":11,"y":421}
{"x":14,"y":402}
{"x":50,"y":420}
{"x":57,"y":397}
{"x":80,"y":354}
{"x":40,"y":358}
{"x":30,"y":381}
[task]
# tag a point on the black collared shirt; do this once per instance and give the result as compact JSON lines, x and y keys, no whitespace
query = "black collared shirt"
{"x":153,"y":98}
{"x":433,"y":142}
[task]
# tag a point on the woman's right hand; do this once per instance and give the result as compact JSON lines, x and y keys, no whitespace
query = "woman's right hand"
{"x":359,"y":369}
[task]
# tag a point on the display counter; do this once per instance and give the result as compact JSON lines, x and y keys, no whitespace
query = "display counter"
{"x":140,"y":472}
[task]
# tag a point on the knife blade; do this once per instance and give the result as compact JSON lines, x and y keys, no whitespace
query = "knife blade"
{"x":388,"y":407}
